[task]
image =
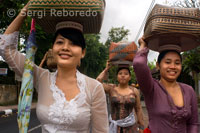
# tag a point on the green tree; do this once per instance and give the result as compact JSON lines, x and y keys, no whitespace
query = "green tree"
{"x":191,"y":62}
{"x":116,"y":35}
{"x":8,"y":11}
{"x":152,"y":65}
{"x":95,"y":57}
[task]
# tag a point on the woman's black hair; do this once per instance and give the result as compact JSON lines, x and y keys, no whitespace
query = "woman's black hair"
{"x":120,"y":68}
{"x":73,"y":35}
{"x":163,"y":53}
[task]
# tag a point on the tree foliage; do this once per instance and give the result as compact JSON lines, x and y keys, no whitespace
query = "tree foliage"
{"x":191,"y":58}
{"x":151,"y":65}
{"x":191,"y":62}
{"x":5,"y":7}
{"x":95,"y":58}
{"x":117,"y":34}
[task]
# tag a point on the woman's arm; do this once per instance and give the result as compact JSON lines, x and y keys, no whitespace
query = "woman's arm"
{"x":139,"y":111}
{"x":104,"y":76}
{"x":9,"y":42}
{"x":142,"y":71}
{"x":99,"y":115}
{"x":18,"y":21}
{"x":192,"y":123}
{"x":43,"y":60}
{"x":8,"y":46}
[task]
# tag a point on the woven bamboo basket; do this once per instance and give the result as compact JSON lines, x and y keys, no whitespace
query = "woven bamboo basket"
{"x":51,"y":62}
{"x":122,"y":53}
{"x":173,"y":26}
{"x":48,"y":13}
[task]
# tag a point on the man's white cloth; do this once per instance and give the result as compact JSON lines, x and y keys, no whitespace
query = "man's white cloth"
{"x":126,"y":122}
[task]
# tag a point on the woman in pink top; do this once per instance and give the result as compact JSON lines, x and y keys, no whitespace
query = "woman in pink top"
{"x":172,"y":106}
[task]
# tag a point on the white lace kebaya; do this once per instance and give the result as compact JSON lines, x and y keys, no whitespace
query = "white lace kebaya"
{"x":63,"y":111}
{"x":56,"y":114}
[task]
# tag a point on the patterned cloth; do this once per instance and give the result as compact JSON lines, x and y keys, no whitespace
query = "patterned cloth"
{"x":26,"y":93}
{"x":121,"y":108}
{"x":126,"y":122}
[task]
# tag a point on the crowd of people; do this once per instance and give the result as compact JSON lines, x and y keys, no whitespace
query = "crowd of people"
{"x":71,"y":102}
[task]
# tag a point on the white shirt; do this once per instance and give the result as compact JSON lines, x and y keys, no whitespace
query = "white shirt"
{"x":57,"y":115}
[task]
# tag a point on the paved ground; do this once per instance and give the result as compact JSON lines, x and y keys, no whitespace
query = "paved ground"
{"x":146,"y":119}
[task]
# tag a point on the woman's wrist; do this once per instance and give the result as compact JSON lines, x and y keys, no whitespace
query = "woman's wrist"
{"x":106,"y":70}
{"x":141,"y":127}
{"x":24,"y":10}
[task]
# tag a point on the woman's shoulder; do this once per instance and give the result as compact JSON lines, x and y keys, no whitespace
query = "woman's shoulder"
{"x":42,"y":71}
{"x":90,"y":79}
{"x":134,"y":89}
{"x":91,"y":82}
{"x":187,"y":87}
{"x":93,"y":87}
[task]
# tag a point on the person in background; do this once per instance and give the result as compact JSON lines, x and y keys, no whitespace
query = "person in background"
{"x":49,"y":60}
{"x":68,"y":101}
{"x":171,"y":105}
{"x":126,"y":111}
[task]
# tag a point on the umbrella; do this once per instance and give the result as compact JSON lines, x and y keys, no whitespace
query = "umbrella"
{"x":26,"y":92}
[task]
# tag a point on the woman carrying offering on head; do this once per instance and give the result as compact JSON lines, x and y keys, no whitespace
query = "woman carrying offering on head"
{"x":126,"y":111}
{"x":68,"y":101}
{"x":171,"y":105}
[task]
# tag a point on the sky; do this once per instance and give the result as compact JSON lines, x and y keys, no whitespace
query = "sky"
{"x":130,"y":14}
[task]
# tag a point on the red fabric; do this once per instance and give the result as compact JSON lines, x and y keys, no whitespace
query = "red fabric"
{"x":33,"y":25}
{"x":146,"y":130}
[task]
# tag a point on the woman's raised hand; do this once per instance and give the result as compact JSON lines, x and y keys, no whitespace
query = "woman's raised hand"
{"x":108,"y":65}
{"x":142,"y":43}
{"x":18,"y":21}
{"x":24,"y":10}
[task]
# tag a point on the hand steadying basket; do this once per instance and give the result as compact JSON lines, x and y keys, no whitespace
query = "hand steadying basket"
{"x":172,"y":28}
{"x":48,"y":13}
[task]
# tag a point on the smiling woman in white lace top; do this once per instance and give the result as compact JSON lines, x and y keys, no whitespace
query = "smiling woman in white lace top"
{"x":68,"y":101}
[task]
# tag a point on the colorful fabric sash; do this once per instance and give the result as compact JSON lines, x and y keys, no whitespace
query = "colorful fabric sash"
{"x":126,"y":122}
